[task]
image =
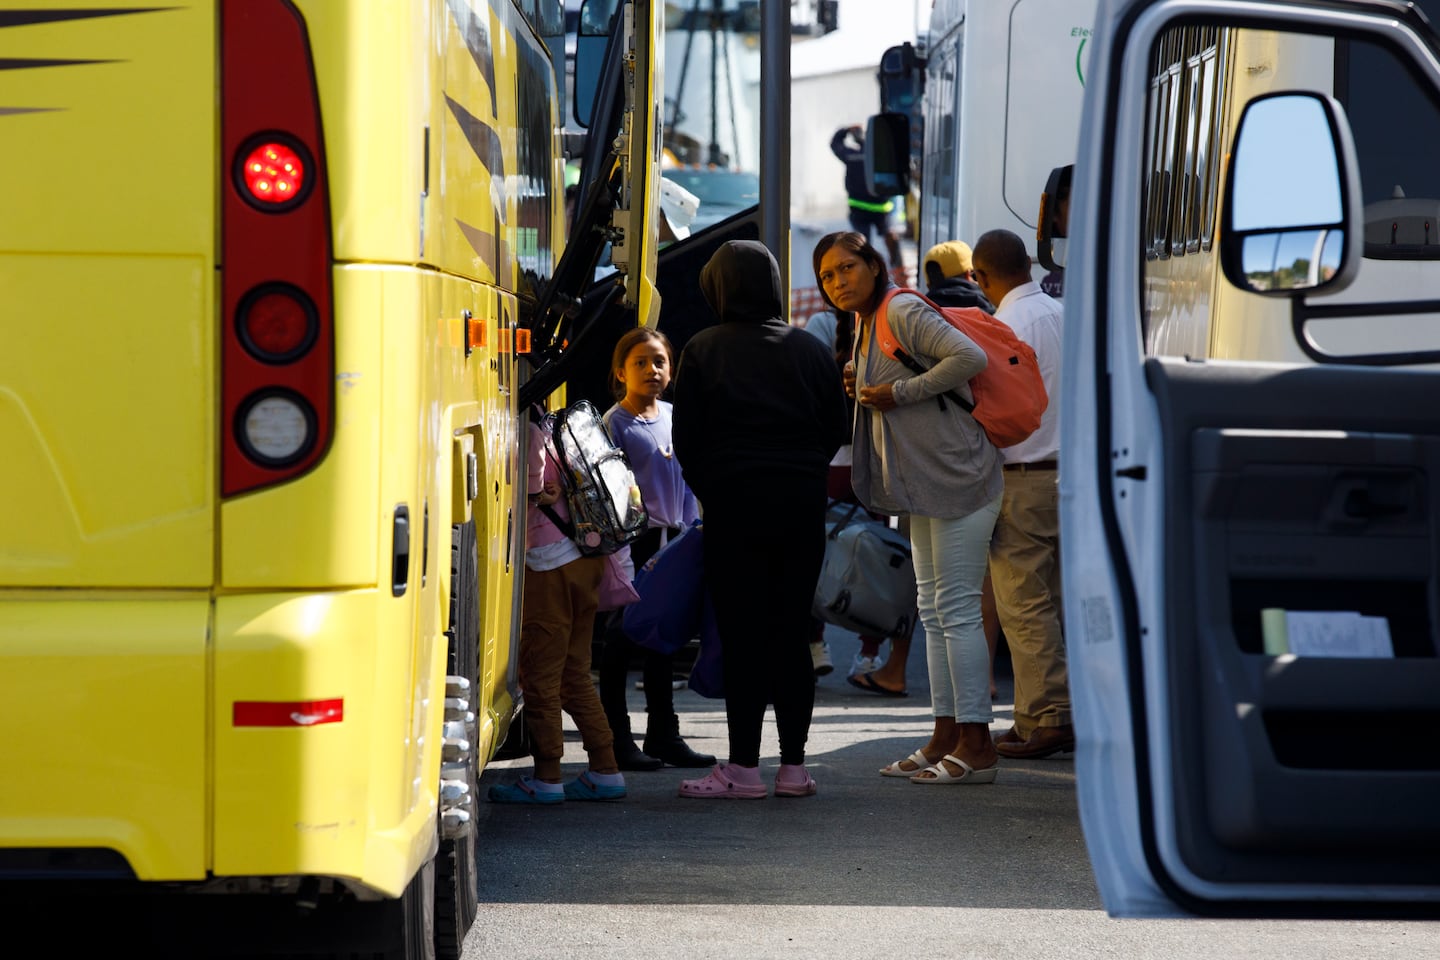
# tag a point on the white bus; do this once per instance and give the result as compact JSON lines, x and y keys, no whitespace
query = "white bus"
{"x":992,"y":95}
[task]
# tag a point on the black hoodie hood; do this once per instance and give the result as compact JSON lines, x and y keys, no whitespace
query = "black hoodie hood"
{"x":742,"y":283}
{"x":959,"y":292}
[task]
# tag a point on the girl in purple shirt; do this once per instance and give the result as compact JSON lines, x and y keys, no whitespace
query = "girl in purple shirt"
{"x":639,"y":422}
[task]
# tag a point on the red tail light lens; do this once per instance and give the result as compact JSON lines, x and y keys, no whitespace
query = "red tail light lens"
{"x":277,"y":323}
{"x":278,"y":341}
{"x":273,"y":173}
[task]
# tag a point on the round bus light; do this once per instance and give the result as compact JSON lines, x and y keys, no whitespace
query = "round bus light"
{"x":277,"y":323}
{"x":273,"y":173}
{"x":275,"y":428}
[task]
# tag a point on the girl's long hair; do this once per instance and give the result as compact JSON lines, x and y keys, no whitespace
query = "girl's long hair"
{"x":844,"y":335}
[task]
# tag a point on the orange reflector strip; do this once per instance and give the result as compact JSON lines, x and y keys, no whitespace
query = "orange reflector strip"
{"x":505,"y":337}
{"x":474,"y":333}
{"x":287,"y":713}
{"x":522,"y":341}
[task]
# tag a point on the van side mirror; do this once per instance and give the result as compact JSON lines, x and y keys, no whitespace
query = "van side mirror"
{"x":1291,"y":222}
{"x":887,"y":154}
{"x":1053,"y":225}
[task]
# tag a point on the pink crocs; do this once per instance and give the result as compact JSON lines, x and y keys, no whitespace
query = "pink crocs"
{"x":726,"y":780}
{"x":794,"y":780}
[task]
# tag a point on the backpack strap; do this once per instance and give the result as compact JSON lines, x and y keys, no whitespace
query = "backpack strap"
{"x":885,"y":340}
{"x":842,"y":524}
{"x":561,"y":524}
{"x":566,"y":527}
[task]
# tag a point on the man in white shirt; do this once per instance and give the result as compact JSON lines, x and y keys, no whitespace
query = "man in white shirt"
{"x":1025,"y":547}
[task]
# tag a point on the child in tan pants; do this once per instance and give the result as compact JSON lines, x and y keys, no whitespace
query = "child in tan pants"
{"x":561,"y":595}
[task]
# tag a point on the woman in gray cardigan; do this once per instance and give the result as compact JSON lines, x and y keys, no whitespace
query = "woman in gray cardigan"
{"x":915,"y":453}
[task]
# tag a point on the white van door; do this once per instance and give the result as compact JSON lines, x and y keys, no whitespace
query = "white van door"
{"x":1250,"y":471}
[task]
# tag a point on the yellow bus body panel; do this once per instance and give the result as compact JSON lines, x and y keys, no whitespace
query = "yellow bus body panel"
{"x":105,"y":726}
{"x":115,"y":155}
{"x":116,"y":470}
{"x":106,"y":289}
{"x":324,"y":799}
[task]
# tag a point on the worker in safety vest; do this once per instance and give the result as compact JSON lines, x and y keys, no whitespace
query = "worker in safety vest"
{"x":867,"y":211}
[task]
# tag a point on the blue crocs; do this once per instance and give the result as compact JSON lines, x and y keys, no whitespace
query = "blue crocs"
{"x":583,"y":788}
{"x":524,"y":792}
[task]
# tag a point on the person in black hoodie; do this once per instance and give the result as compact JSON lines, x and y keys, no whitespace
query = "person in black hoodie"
{"x":948,"y":267}
{"x":759,"y":414}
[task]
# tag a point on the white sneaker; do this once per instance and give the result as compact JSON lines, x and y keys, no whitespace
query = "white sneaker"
{"x":676,"y":683}
{"x":865,"y":664}
{"x":820,"y":658}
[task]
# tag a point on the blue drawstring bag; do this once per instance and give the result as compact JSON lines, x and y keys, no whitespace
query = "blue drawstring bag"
{"x":707,"y":677}
{"x":671,"y":586}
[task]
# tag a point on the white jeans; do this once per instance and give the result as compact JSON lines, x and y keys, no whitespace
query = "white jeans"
{"x":950,"y":562}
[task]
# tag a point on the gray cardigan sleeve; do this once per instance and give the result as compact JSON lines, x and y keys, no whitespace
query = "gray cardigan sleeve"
{"x":951,"y":357}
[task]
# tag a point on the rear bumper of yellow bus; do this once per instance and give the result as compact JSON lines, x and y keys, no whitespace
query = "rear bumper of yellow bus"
{"x":263,"y":735}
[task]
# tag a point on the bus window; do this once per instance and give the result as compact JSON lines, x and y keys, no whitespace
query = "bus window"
{"x":1201,"y":78}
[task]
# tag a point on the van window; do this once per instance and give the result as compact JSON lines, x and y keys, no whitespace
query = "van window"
{"x":1201,"y":78}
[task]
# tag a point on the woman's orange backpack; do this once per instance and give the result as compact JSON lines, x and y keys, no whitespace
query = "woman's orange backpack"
{"x":1009,"y":393}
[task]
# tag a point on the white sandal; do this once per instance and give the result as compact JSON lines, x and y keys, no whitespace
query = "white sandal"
{"x":918,"y":758}
{"x":968,"y":773}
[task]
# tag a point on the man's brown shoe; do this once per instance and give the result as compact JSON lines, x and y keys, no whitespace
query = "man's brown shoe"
{"x":1042,"y":743}
{"x":1009,"y":738}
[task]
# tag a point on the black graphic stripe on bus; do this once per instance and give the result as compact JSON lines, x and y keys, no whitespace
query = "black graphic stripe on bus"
{"x":476,"y":35}
{"x":22,"y":63}
{"x":25,"y":18}
{"x":483,"y":140}
{"x":484,"y":243}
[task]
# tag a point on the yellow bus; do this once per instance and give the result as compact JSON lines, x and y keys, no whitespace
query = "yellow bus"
{"x":267,"y":268}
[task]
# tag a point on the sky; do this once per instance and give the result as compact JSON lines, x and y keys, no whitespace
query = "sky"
{"x":867,"y":28}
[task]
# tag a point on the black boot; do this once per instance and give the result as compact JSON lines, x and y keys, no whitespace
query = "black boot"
{"x":630,"y":757}
{"x":663,"y":741}
{"x":627,"y":755}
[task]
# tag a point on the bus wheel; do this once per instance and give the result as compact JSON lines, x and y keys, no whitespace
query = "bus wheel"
{"x":402,"y":929}
{"x":456,"y":886}
{"x":418,"y":906}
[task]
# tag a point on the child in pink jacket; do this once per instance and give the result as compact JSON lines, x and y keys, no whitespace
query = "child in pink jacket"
{"x":560,"y":598}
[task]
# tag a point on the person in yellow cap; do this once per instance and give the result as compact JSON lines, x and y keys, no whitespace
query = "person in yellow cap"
{"x":949,"y":279}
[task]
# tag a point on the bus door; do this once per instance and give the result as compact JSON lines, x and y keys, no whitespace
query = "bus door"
{"x":1251,"y":542}
{"x":618,"y":71}
{"x":615,"y":232}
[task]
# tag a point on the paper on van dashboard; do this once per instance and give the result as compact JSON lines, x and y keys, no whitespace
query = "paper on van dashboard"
{"x":1336,"y":633}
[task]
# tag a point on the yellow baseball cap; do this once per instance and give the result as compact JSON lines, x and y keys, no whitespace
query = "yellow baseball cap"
{"x":952,"y":257}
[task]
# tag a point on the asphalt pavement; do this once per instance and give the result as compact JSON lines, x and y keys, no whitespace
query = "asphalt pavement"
{"x":870,"y":867}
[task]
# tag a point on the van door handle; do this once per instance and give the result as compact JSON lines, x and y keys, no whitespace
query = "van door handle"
{"x":1359,"y":505}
